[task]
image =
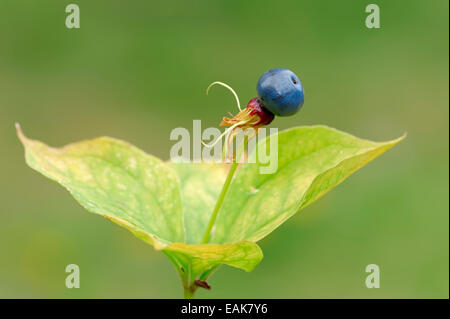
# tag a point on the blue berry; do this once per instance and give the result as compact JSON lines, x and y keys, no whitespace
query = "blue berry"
{"x":281,"y":92}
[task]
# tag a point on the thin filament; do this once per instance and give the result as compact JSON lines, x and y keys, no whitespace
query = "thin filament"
{"x":229,"y":88}
{"x":222,"y":135}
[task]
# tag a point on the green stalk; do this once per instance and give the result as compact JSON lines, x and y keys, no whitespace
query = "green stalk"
{"x":224,"y":191}
{"x":188,"y":293}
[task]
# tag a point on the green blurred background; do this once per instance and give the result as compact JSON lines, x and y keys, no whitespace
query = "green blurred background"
{"x":135,"y":70}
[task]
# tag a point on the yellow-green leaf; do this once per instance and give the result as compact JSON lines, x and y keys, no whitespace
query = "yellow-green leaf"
{"x":168,"y":205}
{"x":200,"y":186}
{"x":137,"y":191}
{"x":311,"y":161}
{"x":117,"y":180}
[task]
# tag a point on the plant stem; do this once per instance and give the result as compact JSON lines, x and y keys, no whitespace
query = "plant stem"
{"x":188,"y":293}
{"x":224,"y":191}
{"x":220,"y":201}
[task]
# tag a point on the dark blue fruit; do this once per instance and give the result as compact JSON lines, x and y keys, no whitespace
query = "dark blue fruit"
{"x":281,"y":92}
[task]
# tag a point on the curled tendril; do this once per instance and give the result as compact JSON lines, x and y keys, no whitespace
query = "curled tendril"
{"x":229,"y":88}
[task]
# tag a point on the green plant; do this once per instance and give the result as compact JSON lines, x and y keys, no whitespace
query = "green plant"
{"x":169,"y":205}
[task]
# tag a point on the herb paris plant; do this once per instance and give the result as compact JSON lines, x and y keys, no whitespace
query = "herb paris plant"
{"x":169,"y":205}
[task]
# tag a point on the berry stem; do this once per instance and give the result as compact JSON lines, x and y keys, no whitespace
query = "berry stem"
{"x":223,"y":192}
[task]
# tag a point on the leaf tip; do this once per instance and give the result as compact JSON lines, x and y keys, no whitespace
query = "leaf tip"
{"x":18,"y":128}
{"x":392,"y":143}
{"x":405,"y":134}
{"x":19,"y":133}
{"x":399,"y":139}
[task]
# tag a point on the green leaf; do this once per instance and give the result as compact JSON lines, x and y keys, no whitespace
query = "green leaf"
{"x":168,"y":205}
{"x":137,"y":191}
{"x":117,"y":180}
{"x":200,"y":186}
{"x":244,"y":255}
{"x":311,"y":161}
